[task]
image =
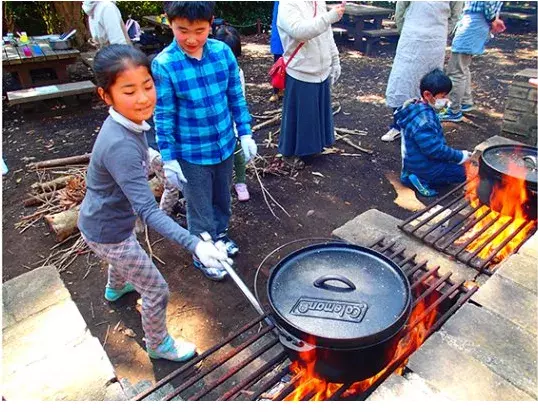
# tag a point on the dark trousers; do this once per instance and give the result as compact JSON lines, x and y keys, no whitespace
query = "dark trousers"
{"x":452,"y":173}
{"x":207,"y":192}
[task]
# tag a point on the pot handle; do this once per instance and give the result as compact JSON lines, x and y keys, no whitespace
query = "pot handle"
{"x":320,"y":283}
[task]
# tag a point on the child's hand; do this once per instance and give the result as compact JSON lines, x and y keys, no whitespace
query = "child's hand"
{"x":210,"y":255}
{"x":173,"y":173}
{"x":466,"y":157}
{"x":249,"y":147}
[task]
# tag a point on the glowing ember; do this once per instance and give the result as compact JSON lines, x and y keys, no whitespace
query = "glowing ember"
{"x":506,"y":202}
{"x":308,"y":383}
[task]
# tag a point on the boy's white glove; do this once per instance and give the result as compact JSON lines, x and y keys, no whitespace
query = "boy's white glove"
{"x":336,"y":70}
{"x":210,"y":255}
{"x":152,"y":154}
{"x":466,"y":156}
{"x":174,"y":174}
{"x":249,"y":147}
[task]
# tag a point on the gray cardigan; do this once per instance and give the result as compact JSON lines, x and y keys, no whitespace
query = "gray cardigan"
{"x":117,"y":190}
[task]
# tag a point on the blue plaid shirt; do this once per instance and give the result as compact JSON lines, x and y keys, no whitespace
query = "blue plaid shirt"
{"x":196,"y":100}
{"x":488,"y":8}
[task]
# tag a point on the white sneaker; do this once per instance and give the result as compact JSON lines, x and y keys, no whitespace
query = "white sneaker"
{"x":391,"y":135}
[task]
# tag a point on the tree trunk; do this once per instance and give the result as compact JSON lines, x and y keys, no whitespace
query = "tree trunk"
{"x":71,"y":17}
{"x":63,"y":224}
{"x":9,"y":20}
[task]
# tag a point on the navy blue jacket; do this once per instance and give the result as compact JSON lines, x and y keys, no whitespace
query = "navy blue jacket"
{"x":424,"y":148}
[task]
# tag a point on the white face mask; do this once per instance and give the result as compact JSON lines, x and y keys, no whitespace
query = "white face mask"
{"x":440,"y":104}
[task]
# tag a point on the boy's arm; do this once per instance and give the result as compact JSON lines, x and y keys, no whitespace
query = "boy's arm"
{"x":399,"y":14}
{"x":491,"y":8}
{"x":435,"y":147}
{"x":236,"y":98}
{"x":165,"y":112}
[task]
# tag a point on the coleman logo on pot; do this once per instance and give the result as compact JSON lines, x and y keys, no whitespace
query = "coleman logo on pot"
{"x":330,"y":309}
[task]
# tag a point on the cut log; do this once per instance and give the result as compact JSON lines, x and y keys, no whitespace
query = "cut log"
{"x":52,"y":185}
{"x":63,"y":224}
{"x":73,"y":160}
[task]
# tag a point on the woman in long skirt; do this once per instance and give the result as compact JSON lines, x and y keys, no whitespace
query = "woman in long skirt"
{"x":305,"y":31}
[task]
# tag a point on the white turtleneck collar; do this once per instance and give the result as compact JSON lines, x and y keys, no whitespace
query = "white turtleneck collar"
{"x":129,"y":124}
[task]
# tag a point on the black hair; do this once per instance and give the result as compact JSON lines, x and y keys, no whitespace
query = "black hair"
{"x":190,"y":10}
{"x":231,"y":37}
{"x":435,"y":82}
{"x":112,"y":60}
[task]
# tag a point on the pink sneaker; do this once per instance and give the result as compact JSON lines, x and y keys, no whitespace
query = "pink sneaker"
{"x":242,"y":192}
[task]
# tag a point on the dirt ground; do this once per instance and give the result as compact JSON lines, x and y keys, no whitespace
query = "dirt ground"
{"x":330,"y":191}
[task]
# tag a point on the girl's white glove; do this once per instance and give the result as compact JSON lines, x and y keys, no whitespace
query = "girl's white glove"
{"x":174,"y":174}
{"x":466,"y":156}
{"x":210,"y":255}
{"x":249,"y":147}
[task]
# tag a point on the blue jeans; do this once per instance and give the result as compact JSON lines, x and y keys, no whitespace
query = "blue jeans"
{"x":452,"y":173}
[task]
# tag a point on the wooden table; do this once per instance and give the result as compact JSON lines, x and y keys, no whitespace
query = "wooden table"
{"x":357,"y":18}
{"x":15,"y":61}
{"x":157,"y":23}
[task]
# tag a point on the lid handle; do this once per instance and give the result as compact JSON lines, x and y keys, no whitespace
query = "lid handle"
{"x":321,"y":283}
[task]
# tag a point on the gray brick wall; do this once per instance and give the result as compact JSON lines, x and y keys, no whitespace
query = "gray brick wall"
{"x":520,"y":118}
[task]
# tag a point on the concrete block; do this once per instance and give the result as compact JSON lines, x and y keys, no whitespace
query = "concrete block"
{"x":372,"y":224}
{"x":520,"y":269}
{"x":511,"y":115}
{"x":50,"y":332}
{"x":532,"y":94}
{"x":114,"y":392}
{"x":409,"y":388}
{"x":460,"y":376}
{"x":527,"y":74}
{"x":33,"y":291}
{"x":131,"y":390}
{"x":509,"y":300}
{"x":81,"y":373}
{"x":503,"y":347}
{"x":494,"y":141}
{"x":530,"y":247}
{"x":521,"y":105}
{"x":7,"y":318}
{"x":519,"y":92}
{"x":515,"y":128}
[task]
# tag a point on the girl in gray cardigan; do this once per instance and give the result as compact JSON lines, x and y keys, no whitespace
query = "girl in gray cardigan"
{"x":118,"y":191}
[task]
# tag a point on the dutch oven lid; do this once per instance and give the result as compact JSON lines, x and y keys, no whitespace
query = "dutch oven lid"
{"x":343,"y":296}
{"x":499,"y":158}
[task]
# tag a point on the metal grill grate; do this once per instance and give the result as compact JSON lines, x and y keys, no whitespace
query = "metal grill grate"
{"x":444,"y":224}
{"x":251,"y":364}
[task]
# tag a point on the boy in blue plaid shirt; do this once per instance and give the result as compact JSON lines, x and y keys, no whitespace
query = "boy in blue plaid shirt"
{"x":199,"y":97}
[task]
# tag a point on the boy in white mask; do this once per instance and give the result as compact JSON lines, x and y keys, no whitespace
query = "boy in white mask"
{"x":427,"y":160}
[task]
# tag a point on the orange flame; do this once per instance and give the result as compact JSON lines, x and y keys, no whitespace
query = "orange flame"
{"x":308,"y":382}
{"x":506,"y":201}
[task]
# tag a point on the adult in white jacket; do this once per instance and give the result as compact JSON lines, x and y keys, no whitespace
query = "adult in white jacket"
{"x":105,"y":22}
{"x":307,"y":121}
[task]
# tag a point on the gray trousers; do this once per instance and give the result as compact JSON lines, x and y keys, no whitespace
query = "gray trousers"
{"x":207,"y":192}
{"x":459,"y":72}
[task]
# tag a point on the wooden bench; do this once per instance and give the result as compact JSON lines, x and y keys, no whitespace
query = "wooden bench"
{"x":373,"y":36}
{"x":35,"y":94}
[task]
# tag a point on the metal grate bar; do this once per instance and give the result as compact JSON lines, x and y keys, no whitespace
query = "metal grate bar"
{"x":451,"y":228}
{"x":431,"y":206}
{"x":254,"y":377}
{"x":464,"y":298}
{"x":445,"y":219}
{"x":435,"y":214}
{"x":424,"y":277}
{"x":462,"y":248}
{"x":195,"y":379}
{"x":284,"y":392}
{"x":488,"y":240}
{"x":196,"y":360}
{"x":459,"y":234}
{"x":495,"y":251}
{"x":234,"y":370}
{"x":269,"y":384}
{"x":420,"y":265}
{"x":435,"y":285}
{"x":396,"y":253}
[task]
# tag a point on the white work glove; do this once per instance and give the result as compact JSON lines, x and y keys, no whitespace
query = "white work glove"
{"x":152,"y":154}
{"x":249,"y":147}
{"x":466,"y":156}
{"x":173,"y":173}
{"x":336,"y":70}
{"x":211,"y":254}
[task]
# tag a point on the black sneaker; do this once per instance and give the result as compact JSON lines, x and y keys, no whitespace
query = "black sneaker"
{"x":211,"y":273}
{"x":231,"y":247}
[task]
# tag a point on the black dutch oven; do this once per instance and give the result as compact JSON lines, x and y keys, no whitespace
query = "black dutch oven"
{"x":494,"y":166}
{"x":349,"y":304}
{"x":343,"y":305}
